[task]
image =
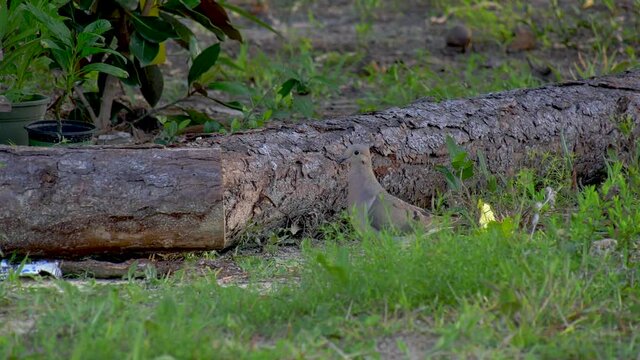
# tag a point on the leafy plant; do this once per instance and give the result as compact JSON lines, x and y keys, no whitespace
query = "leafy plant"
{"x":72,"y":50}
{"x":461,"y":166}
{"x":132,"y":36}
{"x":20,"y":46}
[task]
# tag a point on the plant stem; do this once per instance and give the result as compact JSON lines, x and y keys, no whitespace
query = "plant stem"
{"x":86,"y":104}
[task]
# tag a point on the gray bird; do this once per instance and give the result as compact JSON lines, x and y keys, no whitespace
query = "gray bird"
{"x":370,"y":205}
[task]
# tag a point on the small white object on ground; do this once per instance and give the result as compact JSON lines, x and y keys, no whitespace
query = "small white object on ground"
{"x":38,"y":267}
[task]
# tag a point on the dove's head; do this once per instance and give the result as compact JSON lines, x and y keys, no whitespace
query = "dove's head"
{"x":357,"y":155}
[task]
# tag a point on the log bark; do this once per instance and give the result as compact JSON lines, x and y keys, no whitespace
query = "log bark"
{"x":286,"y":176}
{"x":67,"y":202}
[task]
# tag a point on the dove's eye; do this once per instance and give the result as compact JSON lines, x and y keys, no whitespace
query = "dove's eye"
{"x":356,"y":152}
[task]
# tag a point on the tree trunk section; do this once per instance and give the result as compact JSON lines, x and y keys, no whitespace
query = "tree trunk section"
{"x":286,"y":176}
{"x":67,"y":202}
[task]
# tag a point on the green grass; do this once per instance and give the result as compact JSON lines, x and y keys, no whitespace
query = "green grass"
{"x":495,"y":292}
{"x":465,"y":291}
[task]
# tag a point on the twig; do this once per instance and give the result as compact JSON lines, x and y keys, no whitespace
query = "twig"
{"x":337,"y":349}
{"x":163,"y":107}
{"x":108,"y":96}
{"x":86,"y":104}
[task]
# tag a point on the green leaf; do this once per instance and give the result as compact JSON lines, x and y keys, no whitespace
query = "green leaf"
{"x":180,"y":4}
{"x":287,"y":86}
{"x":242,"y":12}
{"x":183,"y":124}
{"x":84,"y":52}
{"x":63,"y":59}
{"x":230,"y":87}
{"x":55,"y":26}
{"x":459,"y":160}
{"x":203,"y":62}
{"x":184,"y":33}
{"x":452,"y":147}
{"x":235,"y":125}
{"x":467,"y":173}
{"x":128,"y":4}
{"x":50,"y":44}
{"x":87,"y":39}
{"x":151,"y":84}
{"x":452,"y":181}
{"x":104,"y":68}
{"x":235,"y":105}
{"x":212,"y":126}
{"x":4,"y":19}
{"x":197,"y":117}
{"x":153,"y":28}
{"x":97,"y":27}
{"x":131,"y":67}
{"x":143,"y":50}
{"x":181,"y":10}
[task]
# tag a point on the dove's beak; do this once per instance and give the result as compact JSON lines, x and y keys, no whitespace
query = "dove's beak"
{"x":342,"y":159}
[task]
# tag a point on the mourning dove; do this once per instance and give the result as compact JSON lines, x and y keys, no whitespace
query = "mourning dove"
{"x":370,"y":204}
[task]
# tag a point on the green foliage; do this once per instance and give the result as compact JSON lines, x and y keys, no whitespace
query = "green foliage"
{"x":85,"y":40}
{"x":461,"y":166}
{"x":69,"y":49}
{"x":21,"y":48}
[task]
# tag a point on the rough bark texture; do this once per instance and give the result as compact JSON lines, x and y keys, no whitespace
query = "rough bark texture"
{"x":287,"y":175}
{"x":74,"y":201}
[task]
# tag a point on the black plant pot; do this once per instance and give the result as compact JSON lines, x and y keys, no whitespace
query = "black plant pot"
{"x":46,"y":133}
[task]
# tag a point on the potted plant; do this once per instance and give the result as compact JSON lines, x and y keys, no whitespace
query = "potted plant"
{"x":71,"y":51}
{"x":21,"y":53}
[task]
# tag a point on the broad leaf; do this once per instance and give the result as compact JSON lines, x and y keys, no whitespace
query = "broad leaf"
{"x":55,"y":26}
{"x":88,"y":39}
{"x":128,"y":4}
{"x":153,"y":28}
{"x":84,"y":52}
{"x":50,"y":44}
{"x":63,"y":59}
{"x":219,"y":18}
{"x":197,"y":117}
{"x":287,"y":86}
{"x":151,"y":84}
{"x":183,"y":32}
{"x":143,"y":50}
{"x":453,"y":148}
{"x":212,"y":126}
{"x":97,"y":27}
{"x":452,"y":181}
{"x":203,"y":62}
{"x":104,"y":68}
{"x":128,"y":66}
{"x":183,"y":11}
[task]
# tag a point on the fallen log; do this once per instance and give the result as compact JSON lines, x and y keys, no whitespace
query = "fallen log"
{"x":68,"y":202}
{"x":286,"y":176}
